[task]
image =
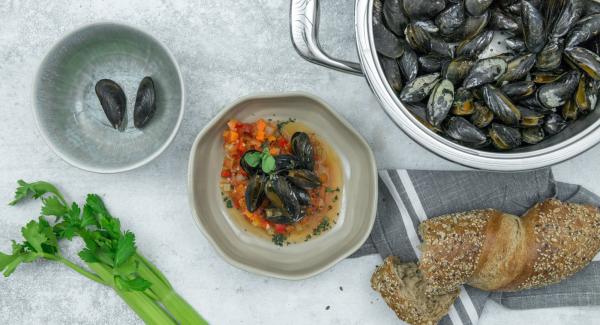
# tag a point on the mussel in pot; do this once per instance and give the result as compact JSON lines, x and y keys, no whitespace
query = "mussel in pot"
{"x":461,"y":130}
{"x":505,"y":137}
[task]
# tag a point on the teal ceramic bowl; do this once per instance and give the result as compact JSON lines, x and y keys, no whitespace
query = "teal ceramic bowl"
{"x":68,"y":112}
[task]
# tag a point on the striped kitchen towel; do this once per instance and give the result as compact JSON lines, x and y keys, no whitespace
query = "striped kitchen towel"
{"x":407,"y":197}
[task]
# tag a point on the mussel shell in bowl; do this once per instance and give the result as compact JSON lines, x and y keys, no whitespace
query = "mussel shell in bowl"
{"x":78,"y":119}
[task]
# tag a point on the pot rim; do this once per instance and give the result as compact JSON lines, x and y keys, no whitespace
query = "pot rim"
{"x":510,"y":161}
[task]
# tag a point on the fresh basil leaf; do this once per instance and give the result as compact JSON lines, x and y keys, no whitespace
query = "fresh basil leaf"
{"x":268,"y":164}
{"x":253,"y":159}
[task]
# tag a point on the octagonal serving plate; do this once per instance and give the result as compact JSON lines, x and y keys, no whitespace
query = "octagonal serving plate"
{"x":255,"y":254}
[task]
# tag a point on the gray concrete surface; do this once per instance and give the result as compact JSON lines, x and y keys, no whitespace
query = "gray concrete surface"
{"x":226,"y":49}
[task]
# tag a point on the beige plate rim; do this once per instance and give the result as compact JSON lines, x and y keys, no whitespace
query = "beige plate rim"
{"x":262,"y":271}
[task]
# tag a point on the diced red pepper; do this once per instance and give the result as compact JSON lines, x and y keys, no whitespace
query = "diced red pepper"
{"x":283,"y":143}
{"x":226,"y":173}
{"x":279,"y":228}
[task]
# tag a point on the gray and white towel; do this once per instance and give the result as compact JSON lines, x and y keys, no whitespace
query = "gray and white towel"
{"x":408,"y":197}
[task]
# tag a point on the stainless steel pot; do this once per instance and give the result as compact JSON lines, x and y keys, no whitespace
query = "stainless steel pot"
{"x":304,"y":22}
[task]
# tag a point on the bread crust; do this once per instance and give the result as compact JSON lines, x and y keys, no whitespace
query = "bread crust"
{"x":407,"y":300}
{"x":495,"y":251}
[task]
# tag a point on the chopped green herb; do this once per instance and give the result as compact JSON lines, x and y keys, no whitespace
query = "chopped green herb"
{"x":229,"y":204}
{"x":278,"y":239}
{"x":281,"y":125}
{"x":330,"y":190}
{"x":308,"y":237}
{"x":323,"y":226}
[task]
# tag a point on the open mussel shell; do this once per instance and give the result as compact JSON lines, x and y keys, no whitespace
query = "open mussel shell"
{"x":394,"y":16}
{"x":255,"y":191}
{"x":423,"y":8}
{"x":440,"y":102}
{"x":386,"y":42}
{"x":457,"y":70}
{"x":543,"y":78}
{"x":533,"y":135}
{"x":391,"y":69}
{"x":519,"y":89}
{"x":554,"y":124}
{"x":586,"y":60}
{"x":304,"y":178}
{"x":477,"y":7}
{"x":463,"y":103}
{"x":569,"y":14}
{"x":556,"y":94}
{"x":584,"y":30}
{"x":113,"y":102}
{"x":474,"y":47}
{"x":533,"y":27}
{"x":482,"y":116}
{"x":485,"y":71}
{"x":530,"y":118}
{"x":145,"y":103}
{"x":459,"y":129}
{"x":586,"y":96}
{"x":418,"y":89}
{"x":282,"y":195}
{"x":501,"y":106}
{"x":505,"y":137}
{"x":570,"y":111}
{"x":302,"y":195}
{"x":303,"y":150}
{"x":247,"y":168}
{"x":550,"y":57}
{"x":519,"y":67}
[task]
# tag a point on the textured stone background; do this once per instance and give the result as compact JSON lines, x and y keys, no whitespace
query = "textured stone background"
{"x":226,"y":49}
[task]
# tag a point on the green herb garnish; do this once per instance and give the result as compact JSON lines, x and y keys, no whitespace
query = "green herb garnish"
{"x":264,"y":158}
{"x":323,"y":226}
{"x":110,"y":254}
{"x":278,"y":239}
{"x":281,"y":125}
{"x":229,"y":204}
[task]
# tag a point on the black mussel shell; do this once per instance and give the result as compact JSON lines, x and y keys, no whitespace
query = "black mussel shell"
{"x":505,"y":137}
{"x":554,"y":124}
{"x":391,"y":69}
{"x":113,"y":101}
{"x":303,"y":150}
{"x":533,"y":135}
{"x":302,"y":195}
{"x":419,"y":88}
{"x":255,"y":191}
{"x":145,"y":103}
{"x":304,"y":178}
{"x":394,"y":16}
{"x":533,"y":27}
{"x":286,"y":163}
{"x":477,"y":7}
{"x":409,"y":64}
{"x":282,"y":195}
{"x":556,"y":94}
{"x":247,"y":168}
{"x":464,"y":132}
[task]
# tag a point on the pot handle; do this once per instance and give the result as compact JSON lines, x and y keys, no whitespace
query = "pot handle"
{"x":304,"y":26}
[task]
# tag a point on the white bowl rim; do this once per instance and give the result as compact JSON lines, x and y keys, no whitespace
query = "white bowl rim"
{"x":108,"y":170}
{"x":260,"y":271}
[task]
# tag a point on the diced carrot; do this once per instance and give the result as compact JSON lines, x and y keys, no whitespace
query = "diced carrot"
{"x":233,"y":136}
{"x":260,"y":130}
{"x":271,"y":138}
{"x":274,"y":151}
{"x":226,"y":173}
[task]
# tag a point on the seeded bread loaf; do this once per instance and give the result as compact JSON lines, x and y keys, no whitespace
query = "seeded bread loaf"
{"x":494,"y":251}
